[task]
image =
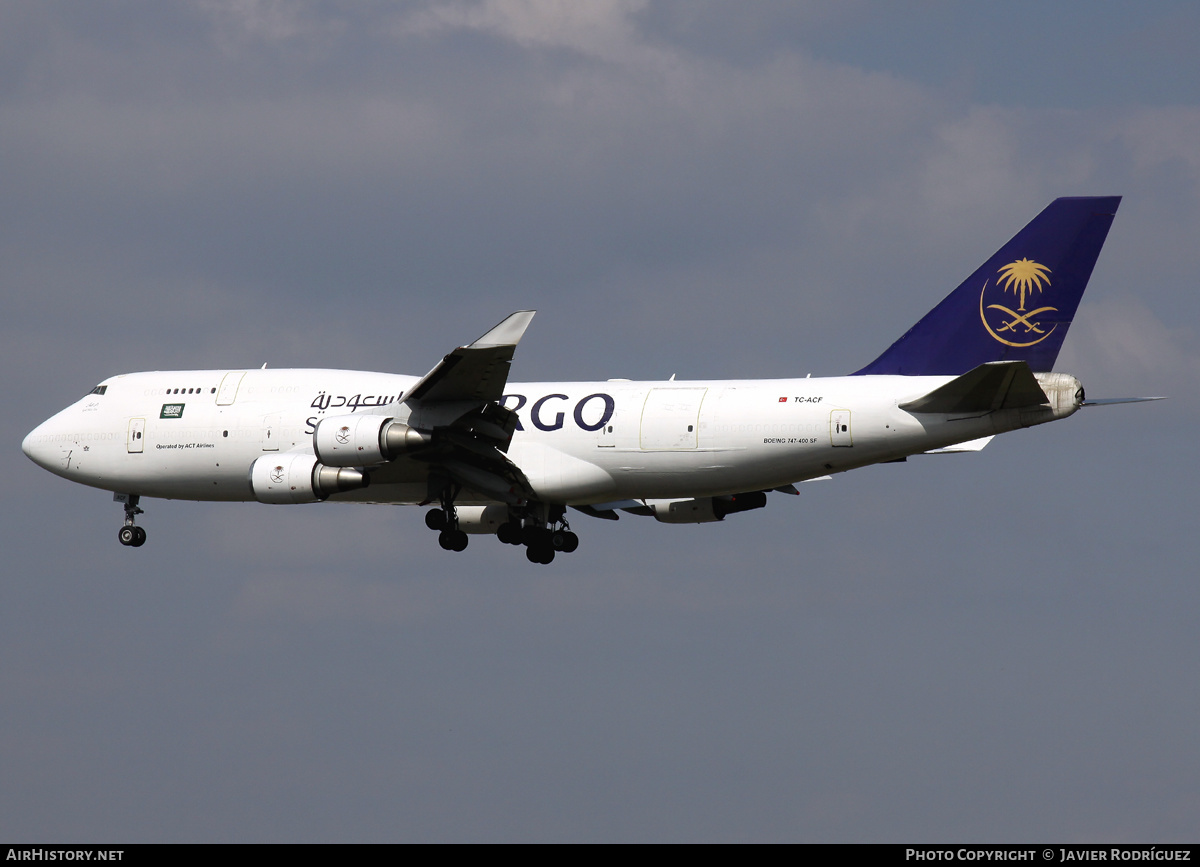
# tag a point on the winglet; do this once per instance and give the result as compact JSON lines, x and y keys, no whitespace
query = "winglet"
{"x":507,"y":333}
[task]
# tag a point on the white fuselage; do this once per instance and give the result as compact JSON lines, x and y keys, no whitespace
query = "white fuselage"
{"x":194,"y":434}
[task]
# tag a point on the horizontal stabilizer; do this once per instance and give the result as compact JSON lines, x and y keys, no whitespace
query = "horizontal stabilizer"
{"x":1112,"y":401}
{"x":962,"y":448}
{"x":990,"y":386}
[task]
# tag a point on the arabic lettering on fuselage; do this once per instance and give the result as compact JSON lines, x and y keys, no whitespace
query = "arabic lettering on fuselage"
{"x":325,"y":401}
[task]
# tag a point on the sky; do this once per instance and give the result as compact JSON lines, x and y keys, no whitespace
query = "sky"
{"x":994,"y":647}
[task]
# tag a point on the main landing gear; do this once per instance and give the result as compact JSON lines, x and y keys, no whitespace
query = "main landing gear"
{"x":541,"y":528}
{"x":131,"y":535}
{"x":541,"y":542}
{"x":445,"y":521}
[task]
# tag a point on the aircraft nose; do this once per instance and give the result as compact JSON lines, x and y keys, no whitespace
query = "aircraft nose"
{"x":36,"y":446}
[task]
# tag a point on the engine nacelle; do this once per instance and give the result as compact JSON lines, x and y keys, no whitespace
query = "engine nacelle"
{"x":297,"y":478}
{"x":363,"y":440}
{"x":705,"y":509}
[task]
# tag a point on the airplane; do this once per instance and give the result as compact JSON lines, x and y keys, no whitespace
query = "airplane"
{"x":509,"y":459}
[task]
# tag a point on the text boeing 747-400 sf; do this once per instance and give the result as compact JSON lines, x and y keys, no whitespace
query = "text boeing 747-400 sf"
{"x":509,"y":459}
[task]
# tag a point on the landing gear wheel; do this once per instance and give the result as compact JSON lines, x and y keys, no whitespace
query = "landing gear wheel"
{"x":127,"y":536}
{"x":564,"y":540}
{"x":509,"y":533}
{"x":453,"y":540}
{"x":435,"y":519}
{"x":139,"y":537}
{"x":538,"y":554}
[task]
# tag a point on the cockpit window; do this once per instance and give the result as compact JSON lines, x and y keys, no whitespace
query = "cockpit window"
{"x":100,"y":389}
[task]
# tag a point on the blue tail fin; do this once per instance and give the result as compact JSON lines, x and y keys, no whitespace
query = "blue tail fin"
{"x":1018,"y":305}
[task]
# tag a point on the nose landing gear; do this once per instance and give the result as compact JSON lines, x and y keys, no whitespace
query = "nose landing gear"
{"x":130,"y":535}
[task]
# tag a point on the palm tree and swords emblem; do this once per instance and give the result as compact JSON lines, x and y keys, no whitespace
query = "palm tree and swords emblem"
{"x":1021,"y":277}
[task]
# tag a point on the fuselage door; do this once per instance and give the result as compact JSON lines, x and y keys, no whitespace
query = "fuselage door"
{"x":270,"y":434}
{"x":670,"y":418}
{"x":839,"y":428}
{"x":227,"y":393}
{"x":136,"y":439}
{"x":606,"y":437}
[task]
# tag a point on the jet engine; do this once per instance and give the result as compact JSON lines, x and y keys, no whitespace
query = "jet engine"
{"x":297,"y":478}
{"x":705,"y":509}
{"x":364,"y":440}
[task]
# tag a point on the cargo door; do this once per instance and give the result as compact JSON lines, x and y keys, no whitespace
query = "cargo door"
{"x":670,"y":418}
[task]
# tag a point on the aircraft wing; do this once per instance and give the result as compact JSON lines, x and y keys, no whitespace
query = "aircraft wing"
{"x":459,"y":403}
{"x":477,"y":371}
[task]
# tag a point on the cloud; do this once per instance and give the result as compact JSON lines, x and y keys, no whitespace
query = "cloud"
{"x":239,"y":21}
{"x":599,"y":30}
{"x":1122,"y":345}
{"x":1164,"y":136}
